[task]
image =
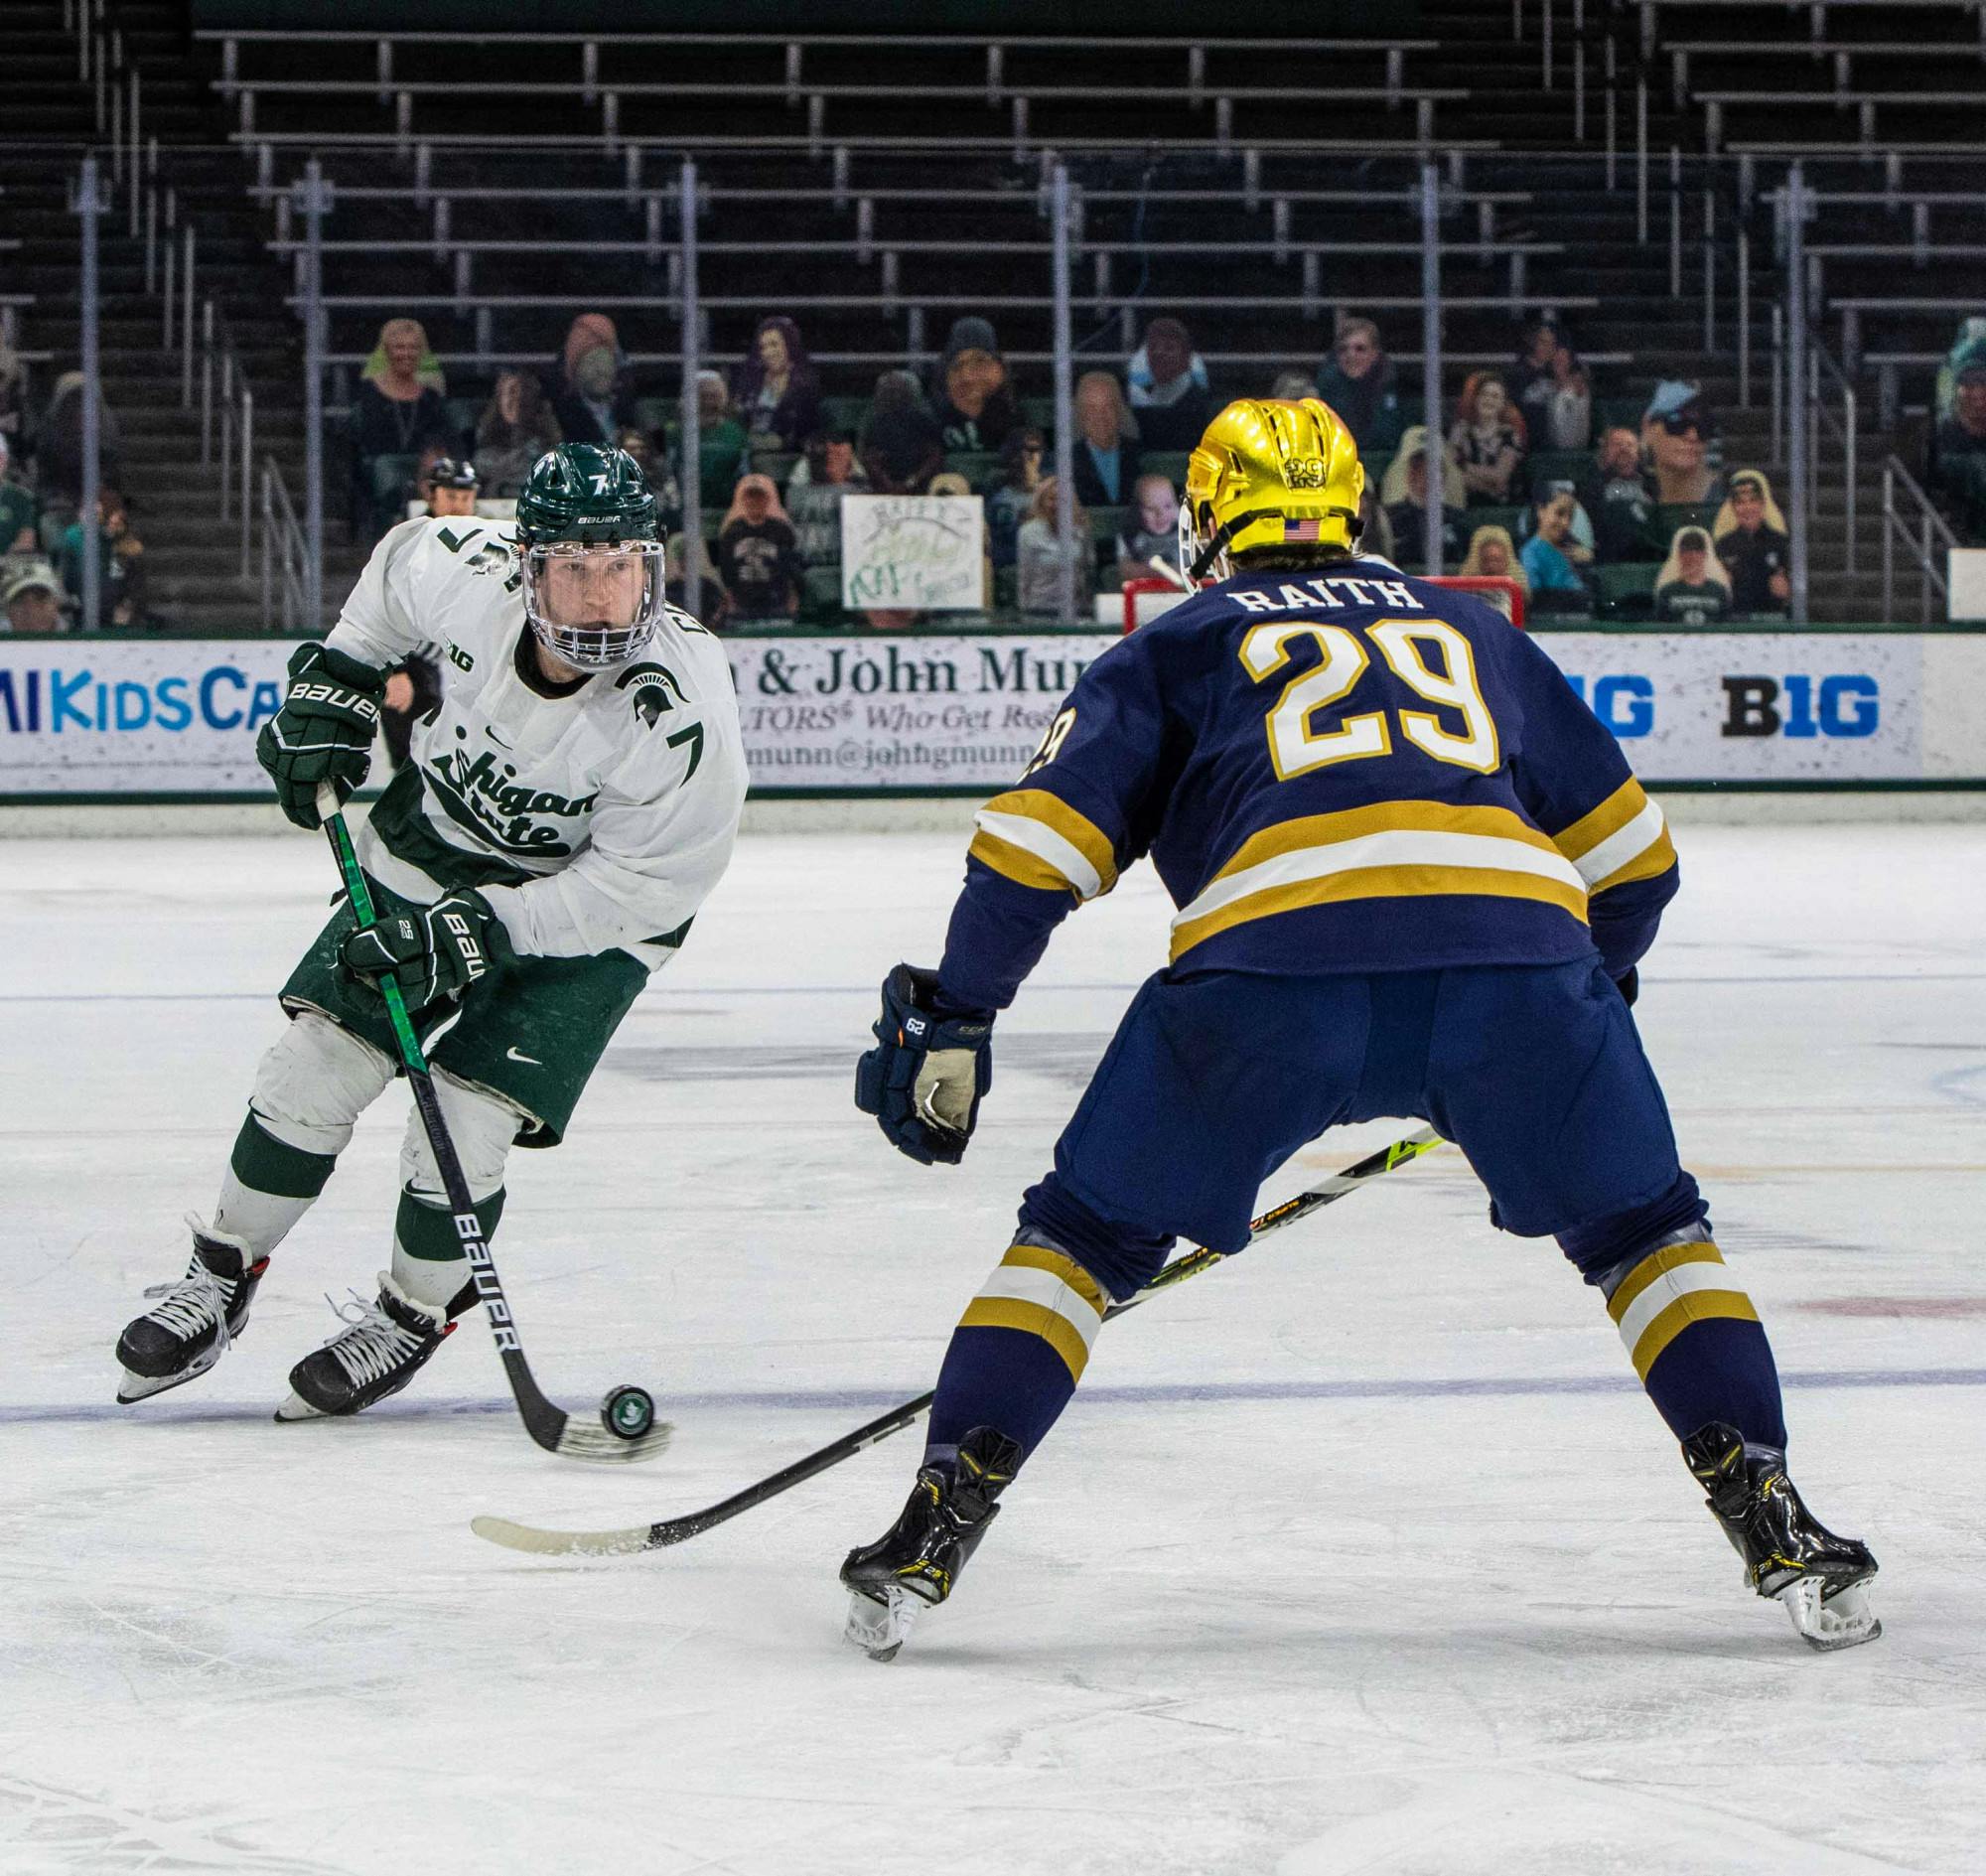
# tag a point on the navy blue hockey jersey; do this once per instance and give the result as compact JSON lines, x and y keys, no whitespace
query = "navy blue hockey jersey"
{"x":1349,"y":771}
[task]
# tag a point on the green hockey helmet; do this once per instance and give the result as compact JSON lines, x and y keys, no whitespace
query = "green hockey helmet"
{"x":593,"y":564}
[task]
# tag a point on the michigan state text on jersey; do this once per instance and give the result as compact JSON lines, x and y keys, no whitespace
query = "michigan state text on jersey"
{"x":568,"y":806}
{"x":1414,"y":876}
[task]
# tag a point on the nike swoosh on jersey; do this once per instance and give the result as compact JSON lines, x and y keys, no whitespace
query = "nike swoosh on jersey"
{"x":512,"y":1054}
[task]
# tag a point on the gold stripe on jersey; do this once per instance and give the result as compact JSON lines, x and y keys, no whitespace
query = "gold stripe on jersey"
{"x":1625,"y":839}
{"x":1037,"y":840}
{"x":1044,"y":1293}
{"x":1392,"y":850}
{"x":1666,"y":1291}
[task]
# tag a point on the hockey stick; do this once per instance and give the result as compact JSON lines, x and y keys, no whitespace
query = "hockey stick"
{"x":551,"y":1427}
{"x":675,"y":1530}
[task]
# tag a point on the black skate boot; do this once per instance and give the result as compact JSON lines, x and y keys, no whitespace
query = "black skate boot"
{"x":1790,"y":1555}
{"x":918,"y":1560}
{"x":190,"y":1328}
{"x":381,"y":1348}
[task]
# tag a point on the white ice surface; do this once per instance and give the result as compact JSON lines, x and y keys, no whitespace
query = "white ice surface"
{"x":1341,"y":1613}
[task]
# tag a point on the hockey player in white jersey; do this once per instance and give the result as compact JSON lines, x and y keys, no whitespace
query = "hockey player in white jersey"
{"x":568,"y":807}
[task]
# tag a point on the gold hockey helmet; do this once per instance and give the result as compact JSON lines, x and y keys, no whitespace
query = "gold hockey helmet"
{"x":1270,"y":473}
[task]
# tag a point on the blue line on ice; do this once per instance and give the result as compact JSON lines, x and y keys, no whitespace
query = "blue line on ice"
{"x":864,"y":1399}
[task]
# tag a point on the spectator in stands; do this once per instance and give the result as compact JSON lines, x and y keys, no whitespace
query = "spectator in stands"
{"x":59,"y":445}
{"x":1677,"y":428}
{"x":1692,"y":589}
{"x":1405,"y":497}
{"x":397,"y":413}
{"x":1009,"y":505}
{"x":977,"y":409}
{"x":1623,"y":506}
{"x":1551,"y":389}
{"x":1492,"y":555}
{"x":1293,"y":386}
{"x":1040,"y":556}
{"x":720,"y":439}
{"x":20,"y":512}
{"x":1970,"y":343}
{"x":1106,"y":447}
{"x":1376,"y":532}
{"x":592,"y":401}
{"x":757,"y":556}
{"x":658,"y":474}
{"x":1753,"y":548}
{"x":1168,"y":389}
{"x":449,"y":485}
{"x":1958,"y":444}
{"x":13,"y":395}
{"x":1486,"y":440}
{"x":121,"y":564}
{"x":515,"y":428}
{"x":1548,"y":556}
{"x":950,"y":481}
{"x":902,"y":447}
{"x":1360,"y":384}
{"x":777,"y":390}
{"x":827,"y":472}
{"x":1152,"y":533}
{"x":33,"y":598}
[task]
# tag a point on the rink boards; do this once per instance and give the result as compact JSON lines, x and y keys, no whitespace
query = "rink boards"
{"x":835,"y":714}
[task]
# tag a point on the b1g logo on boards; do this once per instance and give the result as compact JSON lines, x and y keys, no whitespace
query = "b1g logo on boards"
{"x":1847,"y":704}
{"x":1625,"y":704}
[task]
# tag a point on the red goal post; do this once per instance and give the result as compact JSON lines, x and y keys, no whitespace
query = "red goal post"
{"x":1145,"y":599}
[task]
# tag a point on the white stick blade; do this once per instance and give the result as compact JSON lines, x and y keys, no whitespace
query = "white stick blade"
{"x":598,"y":1447}
{"x":560,"y":1544}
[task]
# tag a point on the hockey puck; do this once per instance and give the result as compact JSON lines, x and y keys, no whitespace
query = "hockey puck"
{"x":628,"y":1413}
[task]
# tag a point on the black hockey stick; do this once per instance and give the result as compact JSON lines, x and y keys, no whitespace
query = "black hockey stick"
{"x":551,"y":1427}
{"x":675,"y":1530}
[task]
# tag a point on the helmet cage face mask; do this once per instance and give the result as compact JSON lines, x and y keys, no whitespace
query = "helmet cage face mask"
{"x":594,"y":605}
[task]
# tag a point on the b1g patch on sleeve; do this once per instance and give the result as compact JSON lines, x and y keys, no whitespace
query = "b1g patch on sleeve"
{"x":651,"y":689}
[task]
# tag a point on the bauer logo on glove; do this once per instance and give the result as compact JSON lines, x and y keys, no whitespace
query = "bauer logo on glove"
{"x":436,"y":951}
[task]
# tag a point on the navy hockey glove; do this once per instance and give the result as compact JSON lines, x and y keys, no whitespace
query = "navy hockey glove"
{"x":324,"y":731}
{"x":930,"y":1064}
{"x":433,"y":951}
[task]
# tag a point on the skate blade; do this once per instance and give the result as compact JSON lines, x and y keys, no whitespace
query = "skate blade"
{"x":1828,"y":1622}
{"x":135,"y":1387}
{"x":880,"y":1628}
{"x":296,"y":1407}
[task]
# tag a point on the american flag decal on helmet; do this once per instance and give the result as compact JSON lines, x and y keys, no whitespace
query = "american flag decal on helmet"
{"x":1305,"y":530}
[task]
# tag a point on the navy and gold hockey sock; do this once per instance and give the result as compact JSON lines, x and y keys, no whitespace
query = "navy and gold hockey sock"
{"x":1017,"y":1351}
{"x":1696,"y":1342}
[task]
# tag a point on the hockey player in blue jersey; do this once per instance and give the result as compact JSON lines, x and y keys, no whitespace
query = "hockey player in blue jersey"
{"x":1414,"y":876}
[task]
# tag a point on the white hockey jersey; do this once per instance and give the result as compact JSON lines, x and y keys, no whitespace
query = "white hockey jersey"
{"x":592,"y":821}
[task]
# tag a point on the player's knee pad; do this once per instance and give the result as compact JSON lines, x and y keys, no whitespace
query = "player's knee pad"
{"x":315,"y":1082}
{"x":1609,"y":1247}
{"x":481,"y":1126}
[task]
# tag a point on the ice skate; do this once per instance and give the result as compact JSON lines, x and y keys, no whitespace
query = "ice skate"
{"x":1788,"y":1555}
{"x":381,"y":1348}
{"x":195,"y":1319}
{"x":917,"y":1563}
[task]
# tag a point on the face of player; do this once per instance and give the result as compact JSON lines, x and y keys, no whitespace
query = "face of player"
{"x":772,"y":353}
{"x":1158,"y":508}
{"x":1491,"y":399}
{"x":450,"y":500}
{"x":597,"y":586}
{"x":1748,"y":506}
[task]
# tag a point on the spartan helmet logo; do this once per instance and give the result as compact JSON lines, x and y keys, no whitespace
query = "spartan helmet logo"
{"x":653,"y":688}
